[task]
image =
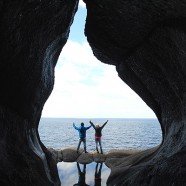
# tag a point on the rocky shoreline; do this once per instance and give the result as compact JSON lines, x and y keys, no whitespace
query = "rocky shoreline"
{"x":111,"y":158}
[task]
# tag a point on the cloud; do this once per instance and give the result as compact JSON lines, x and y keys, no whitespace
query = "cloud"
{"x":82,"y":4}
{"x":85,"y":87}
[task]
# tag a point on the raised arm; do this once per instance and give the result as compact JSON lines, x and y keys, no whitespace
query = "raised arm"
{"x":92,"y":124}
{"x":104,"y":124}
{"x":75,"y":127}
{"x":88,"y":127}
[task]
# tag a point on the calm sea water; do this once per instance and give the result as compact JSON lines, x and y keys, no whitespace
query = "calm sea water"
{"x":117,"y":134}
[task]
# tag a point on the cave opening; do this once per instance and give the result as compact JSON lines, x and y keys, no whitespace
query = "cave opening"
{"x":86,"y":89}
{"x":32,"y":36}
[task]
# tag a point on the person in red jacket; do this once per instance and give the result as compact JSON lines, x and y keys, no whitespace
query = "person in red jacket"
{"x":98,"y":134}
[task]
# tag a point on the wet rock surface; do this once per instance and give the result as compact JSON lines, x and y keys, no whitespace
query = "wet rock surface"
{"x":115,"y":156}
{"x":32,"y":34}
{"x":146,"y":41}
{"x":99,"y":158}
{"x":70,"y":154}
{"x":85,"y":158}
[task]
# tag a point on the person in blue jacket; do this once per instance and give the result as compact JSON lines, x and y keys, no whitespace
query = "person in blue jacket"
{"x":82,"y":135}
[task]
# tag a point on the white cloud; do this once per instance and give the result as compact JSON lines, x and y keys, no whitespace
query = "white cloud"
{"x":85,"y":87}
{"x":82,"y":4}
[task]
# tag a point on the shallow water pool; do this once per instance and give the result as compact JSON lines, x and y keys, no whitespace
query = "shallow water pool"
{"x":75,"y":174}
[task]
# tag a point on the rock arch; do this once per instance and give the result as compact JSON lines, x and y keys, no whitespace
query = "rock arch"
{"x":32,"y":35}
{"x":146,"y":40}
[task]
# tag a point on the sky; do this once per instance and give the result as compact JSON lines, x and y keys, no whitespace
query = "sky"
{"x":86,"y":88}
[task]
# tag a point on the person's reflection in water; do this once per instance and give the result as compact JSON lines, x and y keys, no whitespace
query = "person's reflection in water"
{"x":81,"y":181}
{"x":98,"y":174}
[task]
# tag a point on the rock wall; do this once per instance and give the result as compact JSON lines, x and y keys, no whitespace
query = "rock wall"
{"x":32,"y":34}
{"x":146,"y":41}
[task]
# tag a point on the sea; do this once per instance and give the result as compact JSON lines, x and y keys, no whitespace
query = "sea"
{"x":119,"y":133}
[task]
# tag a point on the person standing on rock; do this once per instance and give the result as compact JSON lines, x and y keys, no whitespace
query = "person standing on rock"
{"x":98,"y":134}
{"x":82,"y":135}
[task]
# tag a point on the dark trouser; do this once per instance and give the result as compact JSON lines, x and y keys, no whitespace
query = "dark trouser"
{"x":84,"y":142}
{"x":98,"y":141}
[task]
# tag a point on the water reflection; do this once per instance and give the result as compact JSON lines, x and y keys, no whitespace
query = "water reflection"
{"x":82,"y":174}
{"x":97,"y":177}
{"x":75,"y":174}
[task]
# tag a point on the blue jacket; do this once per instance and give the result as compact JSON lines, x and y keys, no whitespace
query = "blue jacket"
{"x":81,"y":130}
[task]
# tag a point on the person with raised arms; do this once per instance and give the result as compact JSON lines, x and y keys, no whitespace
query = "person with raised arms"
{"x":98,"y":134}
{"x":82,"y":135}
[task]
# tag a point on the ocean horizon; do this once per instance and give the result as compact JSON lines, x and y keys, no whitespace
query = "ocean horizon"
{"x":119,"y":133}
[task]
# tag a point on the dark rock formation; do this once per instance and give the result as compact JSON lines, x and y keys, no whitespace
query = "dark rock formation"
{"x":32,"y":34}
{"x":146,"y":41}
{"x":127,"y":159}
{"x":57,"y":155}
